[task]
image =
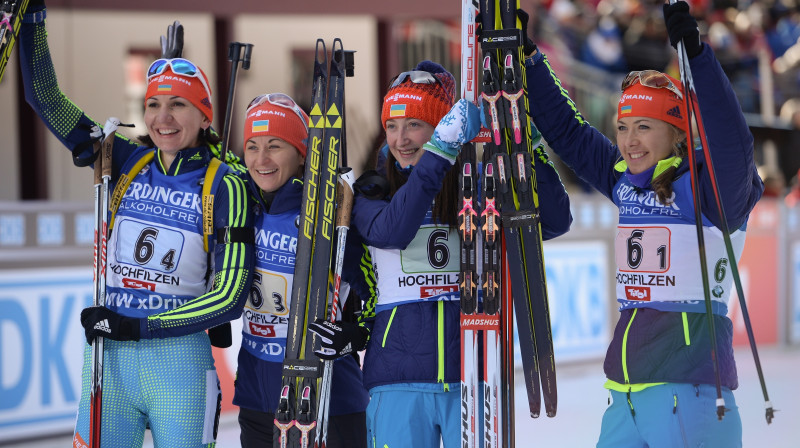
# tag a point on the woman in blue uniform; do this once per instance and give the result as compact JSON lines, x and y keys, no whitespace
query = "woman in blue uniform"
{"x":275,"y":143}
{"x":413,"y":357}
{"x":170,"y":276}
{"x":659,"y":367}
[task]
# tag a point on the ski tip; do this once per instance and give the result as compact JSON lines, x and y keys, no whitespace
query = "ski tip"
{"x":534,"y":415}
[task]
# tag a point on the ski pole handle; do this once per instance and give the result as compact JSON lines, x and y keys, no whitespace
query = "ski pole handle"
{"x":235,"y":56}
{"x":344,"y":197}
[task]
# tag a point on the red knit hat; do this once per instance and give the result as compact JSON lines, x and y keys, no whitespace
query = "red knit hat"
{"x":427,"y":102}
{"x":277,"y":120}
{"x":661,"y":103}
{"x":194,"y":89}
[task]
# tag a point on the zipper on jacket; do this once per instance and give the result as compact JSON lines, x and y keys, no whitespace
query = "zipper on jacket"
{"x":440,"y":343}
{"x":625,"y":351}
{"x":686,"y":336}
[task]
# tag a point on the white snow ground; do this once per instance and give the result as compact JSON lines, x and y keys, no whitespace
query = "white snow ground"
{"x":582,"y":401}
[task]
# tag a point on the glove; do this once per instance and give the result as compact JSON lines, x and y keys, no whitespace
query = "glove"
{"x":39,"y":4}
{"x":682,"y":26}
{"x":221,"y":336}
{"x":528,"y":47}
{"x":339,"y":338}
{"x":172,"y":43}
{"x":101,"y":321}
{"x":459,"y":126}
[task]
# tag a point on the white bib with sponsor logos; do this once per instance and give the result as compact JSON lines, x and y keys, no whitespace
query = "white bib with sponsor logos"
{"x":427,"y":270}
{"x":156,"y":259}
{"x":656,"y":250}
{"x":266,"y":314}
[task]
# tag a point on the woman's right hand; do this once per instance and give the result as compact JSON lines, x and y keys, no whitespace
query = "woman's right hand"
{"x":459,"y":126}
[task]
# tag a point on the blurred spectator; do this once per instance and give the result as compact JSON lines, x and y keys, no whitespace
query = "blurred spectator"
{"x":736,"y":44}
{"x":790,"y":113}
{"x":645,"y":45}
{"x":774,"y":183}
{"x":603,"y":47}
{"x":783,"y":28}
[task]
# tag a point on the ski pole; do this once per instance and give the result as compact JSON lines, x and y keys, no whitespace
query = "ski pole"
{"x":693,"y":107}
{"x":221,"y":335}
{"x":237,"y":52}
{"x":102,"y":181}
{"x":344,"y":201}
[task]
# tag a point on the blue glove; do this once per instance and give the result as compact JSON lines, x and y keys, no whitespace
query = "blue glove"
{"x":459,"y":126}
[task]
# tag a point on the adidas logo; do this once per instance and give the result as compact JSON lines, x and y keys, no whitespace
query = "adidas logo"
{"x":102,"y":326}
{"x":675,"y":112}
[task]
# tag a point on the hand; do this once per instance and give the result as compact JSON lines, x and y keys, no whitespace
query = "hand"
{"x":172,"y":43}
{"x":338,"y":338}
{"x":682,"y":26}
{"x":101,"y":321}
{"x":528,"y":47}
{"x":459,"y":126}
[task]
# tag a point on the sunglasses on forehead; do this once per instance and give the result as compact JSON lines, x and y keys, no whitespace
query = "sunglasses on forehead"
{"x":179,"y":66}
{"x":281,"y":100}
{"x":653,"y":79}
{"x":417,"y":77}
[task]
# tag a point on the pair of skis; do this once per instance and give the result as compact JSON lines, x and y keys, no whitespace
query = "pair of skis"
{"x":515,"y":256}
{"x":11,"y":12}
{"x":301,"y":416}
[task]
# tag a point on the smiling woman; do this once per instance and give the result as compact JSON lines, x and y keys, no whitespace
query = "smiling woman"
{"x":275,"y":144}
{"x":170,"y":276}
{"x":660,"y":375}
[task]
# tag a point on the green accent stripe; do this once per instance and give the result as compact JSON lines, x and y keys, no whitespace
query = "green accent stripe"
{"x":440,"y":340}
{"x":365,"y":264}
{"x":686,"y":336}
{"x":229,"y":278}
{"x":564,"y":92}
{"x":388,"y":325}
{"x":625,"y":347}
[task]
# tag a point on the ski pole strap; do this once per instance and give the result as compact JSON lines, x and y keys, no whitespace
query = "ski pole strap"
{"x":208,"y":200}
{"x":227,"y":235}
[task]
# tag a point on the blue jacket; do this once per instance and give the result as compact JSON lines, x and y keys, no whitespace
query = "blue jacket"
{"x":661,"y":341}
{"x":419,"y":342}
{"x":258,"y":381}
{"x":228,"y":265}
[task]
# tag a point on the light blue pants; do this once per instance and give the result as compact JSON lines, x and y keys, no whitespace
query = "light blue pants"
{"x":671,"y":415}
{"x":414,"y":415}
{"x":169,"y":383}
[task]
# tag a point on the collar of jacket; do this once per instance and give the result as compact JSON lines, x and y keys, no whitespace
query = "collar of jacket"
{"x":286,"y":198}
{"x":187,"y":159}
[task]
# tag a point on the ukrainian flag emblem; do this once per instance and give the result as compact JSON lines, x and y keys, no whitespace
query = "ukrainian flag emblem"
{"x":626,"y":109}
{"x":260,"y":126}
{"x":397,"y":110}
{"x":164,"y":87}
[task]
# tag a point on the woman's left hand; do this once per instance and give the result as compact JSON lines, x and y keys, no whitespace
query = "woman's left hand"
{"x":459,"y":126}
